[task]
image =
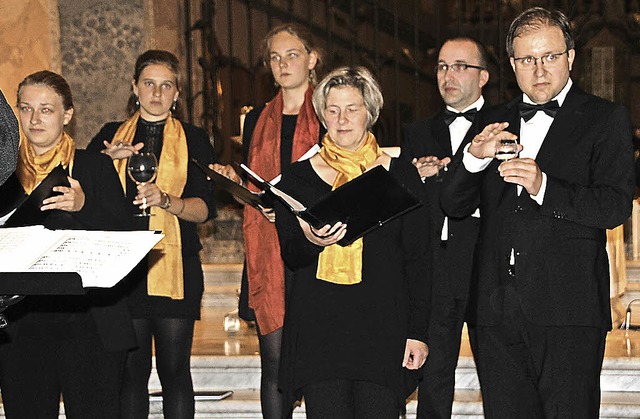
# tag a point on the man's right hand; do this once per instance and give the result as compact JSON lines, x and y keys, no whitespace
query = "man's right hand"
{"x":483,"y":144}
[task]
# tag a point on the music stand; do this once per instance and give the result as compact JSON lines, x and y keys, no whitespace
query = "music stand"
{"x":14,"y":286}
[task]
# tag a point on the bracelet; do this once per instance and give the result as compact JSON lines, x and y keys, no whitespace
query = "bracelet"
{"x":165,"y":201}
{"x":183,"y":205}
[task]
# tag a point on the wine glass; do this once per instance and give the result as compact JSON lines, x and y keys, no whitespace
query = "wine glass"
{"x":506,"y":149}
{"x":142,"y":168}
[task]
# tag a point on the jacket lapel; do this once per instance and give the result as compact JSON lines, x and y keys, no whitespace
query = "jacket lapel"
{"x":565,"y":122}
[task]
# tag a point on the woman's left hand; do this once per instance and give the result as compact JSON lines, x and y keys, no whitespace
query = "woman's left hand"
{"x":325,"y":236}
{"x":415,"y":354}
{"x":71,"y":200}
{"x":148,"y":195}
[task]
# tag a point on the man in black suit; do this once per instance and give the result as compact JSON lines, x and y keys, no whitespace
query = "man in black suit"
{"x":431,"y":145}
{"x":542,"y":300}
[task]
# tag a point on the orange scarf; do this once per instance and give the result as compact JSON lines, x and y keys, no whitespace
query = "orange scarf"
{"x":337,"y":264}
{"x":32,"y":169}
{"x":265,"y":268}
{"x":165,"y":277}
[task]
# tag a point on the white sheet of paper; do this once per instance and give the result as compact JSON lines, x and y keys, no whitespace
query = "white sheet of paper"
{"x":102,"y":258}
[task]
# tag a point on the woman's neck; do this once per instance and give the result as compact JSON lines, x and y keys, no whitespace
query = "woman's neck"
{"x":293,"y":99}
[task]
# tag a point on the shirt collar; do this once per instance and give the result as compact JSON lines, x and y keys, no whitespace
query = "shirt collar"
{"x":478,"y":104}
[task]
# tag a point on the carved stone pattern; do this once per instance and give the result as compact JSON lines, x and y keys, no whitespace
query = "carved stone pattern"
{"x":99,"y":47}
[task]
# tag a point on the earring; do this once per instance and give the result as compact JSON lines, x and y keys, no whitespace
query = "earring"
{"x":173,"y":107}
{"x":137,"y":101}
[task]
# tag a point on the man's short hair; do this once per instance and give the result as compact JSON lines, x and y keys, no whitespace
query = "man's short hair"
{"x":535,"y":18}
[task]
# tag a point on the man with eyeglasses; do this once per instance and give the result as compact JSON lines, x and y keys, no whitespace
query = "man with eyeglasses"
{"x":542,"y":296}
{"x":431,"y":144}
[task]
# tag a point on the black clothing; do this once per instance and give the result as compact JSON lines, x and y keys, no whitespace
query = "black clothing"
{"x":353,"y":332}
{"x":140,"y":303}
{"x":453,"y":260}
{"x":560,"y":280}
{"x":72,"y":344}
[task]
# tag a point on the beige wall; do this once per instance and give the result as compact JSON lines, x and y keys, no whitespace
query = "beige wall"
{"x":29,"y":41}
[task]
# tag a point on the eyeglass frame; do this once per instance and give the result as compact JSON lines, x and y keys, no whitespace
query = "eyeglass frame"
{"x":541,"y":58}
{"x":463,"y":67}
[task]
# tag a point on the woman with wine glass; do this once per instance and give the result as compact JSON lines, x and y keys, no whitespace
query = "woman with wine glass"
{"x":165,"y":291}
{"x":275,"y":135}
{"x":70,"y":345}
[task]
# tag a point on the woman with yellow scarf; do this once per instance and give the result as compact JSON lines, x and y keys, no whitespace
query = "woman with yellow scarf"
{"x":357,"y":314}
{"x":165,"y":290}
{"x":69,"y":345}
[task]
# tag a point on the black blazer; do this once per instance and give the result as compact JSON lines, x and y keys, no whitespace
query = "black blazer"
{"x":562,"y":270}
{"x":105,"y":209}
{"x":431,"y":137}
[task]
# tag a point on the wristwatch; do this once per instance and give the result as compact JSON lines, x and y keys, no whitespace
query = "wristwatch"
{"x":165,"y":201}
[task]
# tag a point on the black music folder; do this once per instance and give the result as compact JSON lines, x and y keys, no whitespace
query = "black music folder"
{"x":28,"y":206}
{"x":363,"y":204}
{"x":243,"y":194}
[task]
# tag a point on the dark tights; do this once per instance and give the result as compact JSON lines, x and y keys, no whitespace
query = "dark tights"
{"x":270,"y":398}
{"x":173,"y":339}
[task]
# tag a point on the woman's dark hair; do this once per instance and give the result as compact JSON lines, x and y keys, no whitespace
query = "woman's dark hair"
{"x":147,"y":58}
{"x":54,"y":81}
{"x":304,"y":36}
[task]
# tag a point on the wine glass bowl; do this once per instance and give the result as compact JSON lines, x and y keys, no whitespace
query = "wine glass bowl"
{"x":142,"y":168}
{"x":506,"y":149}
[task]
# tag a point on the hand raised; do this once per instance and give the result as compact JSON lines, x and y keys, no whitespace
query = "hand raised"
{"x":483,"y":144}
{"x":118,"y":150}
{"x":430,"y":165}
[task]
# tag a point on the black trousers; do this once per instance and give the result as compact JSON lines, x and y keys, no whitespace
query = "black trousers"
{"x":532,"y":371}
{"x":435,"y":395}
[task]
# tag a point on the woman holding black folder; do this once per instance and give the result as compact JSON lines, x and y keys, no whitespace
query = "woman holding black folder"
{"x":69,"y":345}
{"x":357,"y":314}
{"x":275,"y":135}
{"x":165,"y":290}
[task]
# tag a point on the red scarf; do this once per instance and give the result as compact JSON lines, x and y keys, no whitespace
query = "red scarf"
{"x":265,"y":268}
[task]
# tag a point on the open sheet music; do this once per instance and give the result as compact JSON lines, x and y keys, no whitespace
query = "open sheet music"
{"x":102,"y":258}
{"x":363,"y":204}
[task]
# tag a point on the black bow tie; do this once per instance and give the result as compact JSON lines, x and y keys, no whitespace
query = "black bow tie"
{"x":450,"y":116}
{"x":528,"y":110}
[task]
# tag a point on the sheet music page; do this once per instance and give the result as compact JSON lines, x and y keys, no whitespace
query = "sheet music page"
{"x":102,"y":258}
{"x":20,"y":247}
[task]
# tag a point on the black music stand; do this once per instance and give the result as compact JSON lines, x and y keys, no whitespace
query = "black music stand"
{"x":14,"y":286}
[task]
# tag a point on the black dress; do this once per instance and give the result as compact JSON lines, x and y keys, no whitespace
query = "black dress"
{"x":355,"y":332}
{"x":142,"y":305}
{"x":287,"y":131}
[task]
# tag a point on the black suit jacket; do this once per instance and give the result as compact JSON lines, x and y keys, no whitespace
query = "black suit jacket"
{"x":431,"y":137}
{"x":562,"y":270}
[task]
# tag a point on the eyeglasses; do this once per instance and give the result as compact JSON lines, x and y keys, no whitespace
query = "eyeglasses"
{"x":455,"y":67}
{"x":547,"y":59}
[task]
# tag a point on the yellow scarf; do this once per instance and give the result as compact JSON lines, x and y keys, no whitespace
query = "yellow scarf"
{"x":337,"y":264}
{"x":165,"y":277}
{"x":32,"y":169}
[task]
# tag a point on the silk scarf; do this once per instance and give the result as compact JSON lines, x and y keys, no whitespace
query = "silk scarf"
{"x":165,"y":277}
{"x":264,"y":265}
{"x":337,"y":264}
